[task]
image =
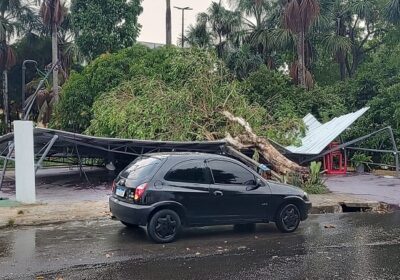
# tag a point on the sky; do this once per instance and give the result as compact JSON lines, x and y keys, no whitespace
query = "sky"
{"x":153,"y":18}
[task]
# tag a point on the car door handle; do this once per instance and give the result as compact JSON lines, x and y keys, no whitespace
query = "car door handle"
{"x":218,"y":193}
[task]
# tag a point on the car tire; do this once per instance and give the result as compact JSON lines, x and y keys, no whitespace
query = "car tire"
{"x":164,"y":226}
{"x":129,"y":225}
{"x":244,"y":227}
{"x":288,"y":218}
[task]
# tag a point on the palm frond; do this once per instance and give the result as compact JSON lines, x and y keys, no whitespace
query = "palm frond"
{"x":363,"y":8}
{"x":392,"y":11}
{"x":282,"y":38}
{"x":334,"y":43}
{"x":309,"y":10}
{"x":292,"y":17}
{"x":52,"y":12}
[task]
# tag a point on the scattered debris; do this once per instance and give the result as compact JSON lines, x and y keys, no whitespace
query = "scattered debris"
{"x":198,"y":254}
{"x":10,"y":223}
{"x":242,"y":247}
{"x":329,"y":226}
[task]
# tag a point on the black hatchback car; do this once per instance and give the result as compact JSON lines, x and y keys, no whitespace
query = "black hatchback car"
{"x":166,"y":191}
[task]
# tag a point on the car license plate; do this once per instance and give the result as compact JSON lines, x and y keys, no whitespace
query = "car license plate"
{"x":120,"y":192}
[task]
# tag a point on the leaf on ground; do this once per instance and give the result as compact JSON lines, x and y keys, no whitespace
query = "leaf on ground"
{"x":329,"y":226}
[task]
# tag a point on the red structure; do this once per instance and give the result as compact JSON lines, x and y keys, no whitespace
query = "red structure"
{"x":335,"y":162}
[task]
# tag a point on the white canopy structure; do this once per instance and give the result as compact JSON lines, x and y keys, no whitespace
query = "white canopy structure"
{"x":319,"y":136}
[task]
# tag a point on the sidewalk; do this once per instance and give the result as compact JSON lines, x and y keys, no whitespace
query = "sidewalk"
{"x":367,"y":186}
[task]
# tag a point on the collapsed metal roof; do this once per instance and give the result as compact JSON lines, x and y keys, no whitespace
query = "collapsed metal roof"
{"x":67,"y":143}
{"x":57,"y":143}
{"x":319,"y":136}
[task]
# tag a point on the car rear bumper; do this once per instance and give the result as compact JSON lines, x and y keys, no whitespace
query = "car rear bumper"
{"x":306,"y":210}
{"x":129,"y":213}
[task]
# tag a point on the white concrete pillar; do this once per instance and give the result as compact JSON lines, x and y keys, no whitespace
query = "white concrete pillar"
{"x":24,"y":162}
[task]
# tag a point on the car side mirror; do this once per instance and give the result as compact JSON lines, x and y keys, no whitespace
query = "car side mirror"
{"x":256,"y":186}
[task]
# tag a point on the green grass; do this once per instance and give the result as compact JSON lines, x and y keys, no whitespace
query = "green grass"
{"x":315,"y":189}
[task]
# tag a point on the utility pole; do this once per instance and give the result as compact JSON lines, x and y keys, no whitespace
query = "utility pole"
{"x":183,"y":9}
{"x":168,"y":23}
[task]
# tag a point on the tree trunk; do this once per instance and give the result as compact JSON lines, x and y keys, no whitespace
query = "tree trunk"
{"x":168,"y":23}
{"x":342,"y":65}
{"x":54,"y":51}
{"x":5,"y":100}
{"x":279,"y":162}
{"x":341,"y":56}
{"x":300,"y":57}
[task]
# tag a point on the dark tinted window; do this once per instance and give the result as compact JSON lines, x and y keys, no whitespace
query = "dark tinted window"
{"x":187,"y":172}
{"x":225,"y":172}
{"x":141,"y":167}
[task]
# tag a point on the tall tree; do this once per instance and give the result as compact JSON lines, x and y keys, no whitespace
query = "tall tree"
{"x":198,"y":35}
{"x":219,"y":23}
{"x":352,"y":29}
{"x":299,"y":16}
{"x":52,"y":14}
{"x":105,"y":25}
{"x":16,"y":17}
{"x":168,"y":23}
{"x":259,"y":20}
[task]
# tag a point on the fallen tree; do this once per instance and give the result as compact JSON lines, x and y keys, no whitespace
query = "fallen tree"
{"x":186,"y":105}
{"x":279,"y":162}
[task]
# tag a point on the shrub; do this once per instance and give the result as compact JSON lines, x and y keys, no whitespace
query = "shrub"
{"x":314,"y":184}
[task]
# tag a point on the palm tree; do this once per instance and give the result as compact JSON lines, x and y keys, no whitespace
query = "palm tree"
{"x":198,"y":35}
{"x":298,"y":17}
{"x":15,"y":18}
{"x":219,"y":23}
{"x":258,"y":31}
{"x":332,"y":29}
{"x":52,"y":14}
{"x":168,"y":23}
{"x":392,"y":11}
{"x":258,"y":9}
{"x":348,"y":30}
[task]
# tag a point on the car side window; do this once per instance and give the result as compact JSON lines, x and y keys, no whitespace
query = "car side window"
{"x":188,"y":172}
{"x":226,"y":172}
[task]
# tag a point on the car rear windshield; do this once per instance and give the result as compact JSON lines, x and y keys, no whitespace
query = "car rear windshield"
{"x":141,"y":168}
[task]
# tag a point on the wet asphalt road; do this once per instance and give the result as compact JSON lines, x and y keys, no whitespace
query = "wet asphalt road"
{"x":355,"y":246}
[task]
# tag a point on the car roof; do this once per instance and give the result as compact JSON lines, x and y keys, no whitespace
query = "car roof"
{"x":189,"y":155}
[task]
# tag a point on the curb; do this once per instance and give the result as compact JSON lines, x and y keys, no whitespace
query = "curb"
{"x":346,"y":207}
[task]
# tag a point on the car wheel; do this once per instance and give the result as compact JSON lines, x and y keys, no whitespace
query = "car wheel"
{"x":288,"y":218}
{"x":244,"y":227}
{"x":129,"y":225}
{"x":164,"y":226}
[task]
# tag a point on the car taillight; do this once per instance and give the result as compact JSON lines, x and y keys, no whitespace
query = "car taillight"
{"x":140,"y":191}
{"x":113,"y":187}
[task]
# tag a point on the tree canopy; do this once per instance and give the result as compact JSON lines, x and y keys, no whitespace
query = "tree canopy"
{"x":105,"y":25}
{"x":166,"y":93}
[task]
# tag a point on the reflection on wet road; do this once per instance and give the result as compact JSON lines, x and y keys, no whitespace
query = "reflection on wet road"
{"x":347,"y":246}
